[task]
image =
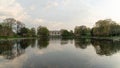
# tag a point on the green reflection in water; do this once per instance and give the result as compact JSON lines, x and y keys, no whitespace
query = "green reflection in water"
{"x":82,"y":43}
{"x":62,"y":52}
{"x":105,"y":47}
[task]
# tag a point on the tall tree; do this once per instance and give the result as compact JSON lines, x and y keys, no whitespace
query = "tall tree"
{"x":33,"y":32}
{"x":10,"y":22}
{"x":42,"y":31}
{"x":82,"y":31}
{"x":106,"y":27}
{"x":19,"y":25}
{"x":65,"y":33}
{"x":25,"y":32}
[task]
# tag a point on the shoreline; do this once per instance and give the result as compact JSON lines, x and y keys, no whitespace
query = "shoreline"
{"x":100,"y":38}
{"x":2,"y":39}
{"x":116,"y":38}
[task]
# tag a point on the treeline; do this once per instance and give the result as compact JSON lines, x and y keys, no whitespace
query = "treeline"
{"x":102,"y":28}
{"x":10,"y":27}
{"x":14,"y":28}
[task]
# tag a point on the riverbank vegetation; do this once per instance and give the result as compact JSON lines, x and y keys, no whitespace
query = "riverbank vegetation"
{"x":12,"y":28}
{"x":103,"y":29}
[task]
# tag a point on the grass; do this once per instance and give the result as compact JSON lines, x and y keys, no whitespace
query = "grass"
{"x":14,"y":37}
{"x":102,"y":38}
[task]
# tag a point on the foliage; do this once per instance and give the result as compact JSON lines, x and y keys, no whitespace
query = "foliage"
{"x":66,"y":34}
{"x":24,"y":32}
{"x":42,"y":31}
{"x":106,"y":27}
{"x":33,"y":32}
{"x":81,"y":31}
{"x":11,"y":27}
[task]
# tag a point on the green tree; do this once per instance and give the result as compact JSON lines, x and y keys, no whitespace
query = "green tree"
{"x":24,"y":32}
{"x":42,"y":31}
{"x":106,"y":27}
{"x":7,"y":27}
{"x":9,"y":22}
{"x":33,"y":32}
{"x":80,"y":31}
{"x":66,"y":34}
{"x":18,"y":26}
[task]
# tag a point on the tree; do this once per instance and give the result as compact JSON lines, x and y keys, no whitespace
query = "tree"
{"x":64,"y":33}
{"x":5,"y":30}
{"x":7,"y":27}
{"x":106,"y":27}
{"x":71,"y":33}
{"x":10,"y":22}
{"x":42,"y":31}
{"x":33,"y":32}
{"x":81,"y":31}
{"x":19,"y":25}
{"x":24,"y":32}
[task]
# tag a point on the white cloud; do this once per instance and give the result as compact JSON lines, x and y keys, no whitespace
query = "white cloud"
{"x":51,"y":4}
{"x":32,"y":8}
{"x":52,"y":25}
{"x":12,"y":9}
{"x":39,"y":20}
{"x":59,"y":14}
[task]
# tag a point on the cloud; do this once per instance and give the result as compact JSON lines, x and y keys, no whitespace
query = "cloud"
{"x":51,"y":25}
{"x":32,"y":8}
{"x":55,"y":3}
{"x":12,"y":9}
{"x":51,"y":5}
{"x":59,"y":14}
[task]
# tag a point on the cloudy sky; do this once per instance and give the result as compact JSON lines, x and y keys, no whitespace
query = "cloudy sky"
{"x":59,"y":14}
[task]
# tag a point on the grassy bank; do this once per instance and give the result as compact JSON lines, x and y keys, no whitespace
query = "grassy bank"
{"x":15,"y":37}
{"x":117,"y":38}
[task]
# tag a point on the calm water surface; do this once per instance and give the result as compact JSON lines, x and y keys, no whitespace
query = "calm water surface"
{"x":58,"y":53}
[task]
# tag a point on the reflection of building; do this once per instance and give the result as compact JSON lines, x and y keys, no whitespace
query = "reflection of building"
{"x":55,"y":33}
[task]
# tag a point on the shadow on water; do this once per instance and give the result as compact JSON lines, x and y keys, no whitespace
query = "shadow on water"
{"x":43,"y":43}
{"x":10,"y":49}
{"x":104,"y":47}
{"x":64,"y":41}
{"x":13,"y":48}
{"x":82,"y":43}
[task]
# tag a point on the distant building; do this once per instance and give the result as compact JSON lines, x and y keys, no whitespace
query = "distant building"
{"x":55,"y":33}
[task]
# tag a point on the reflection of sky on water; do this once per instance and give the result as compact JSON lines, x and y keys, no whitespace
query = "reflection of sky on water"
{"x":60,"y":54}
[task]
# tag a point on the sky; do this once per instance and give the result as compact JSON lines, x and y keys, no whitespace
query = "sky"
{"x":60,"y":14}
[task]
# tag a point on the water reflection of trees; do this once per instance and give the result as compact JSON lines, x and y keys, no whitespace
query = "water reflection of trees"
{"x":104,"y":47}
{"x":6,"y":48}
{"x":43,"y":43}
{"x":25,"y":43}
{"x":33,"y":42}
{"x":82,"y":43}
{"x":66,"y":41}
{"x":13,"y":48}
